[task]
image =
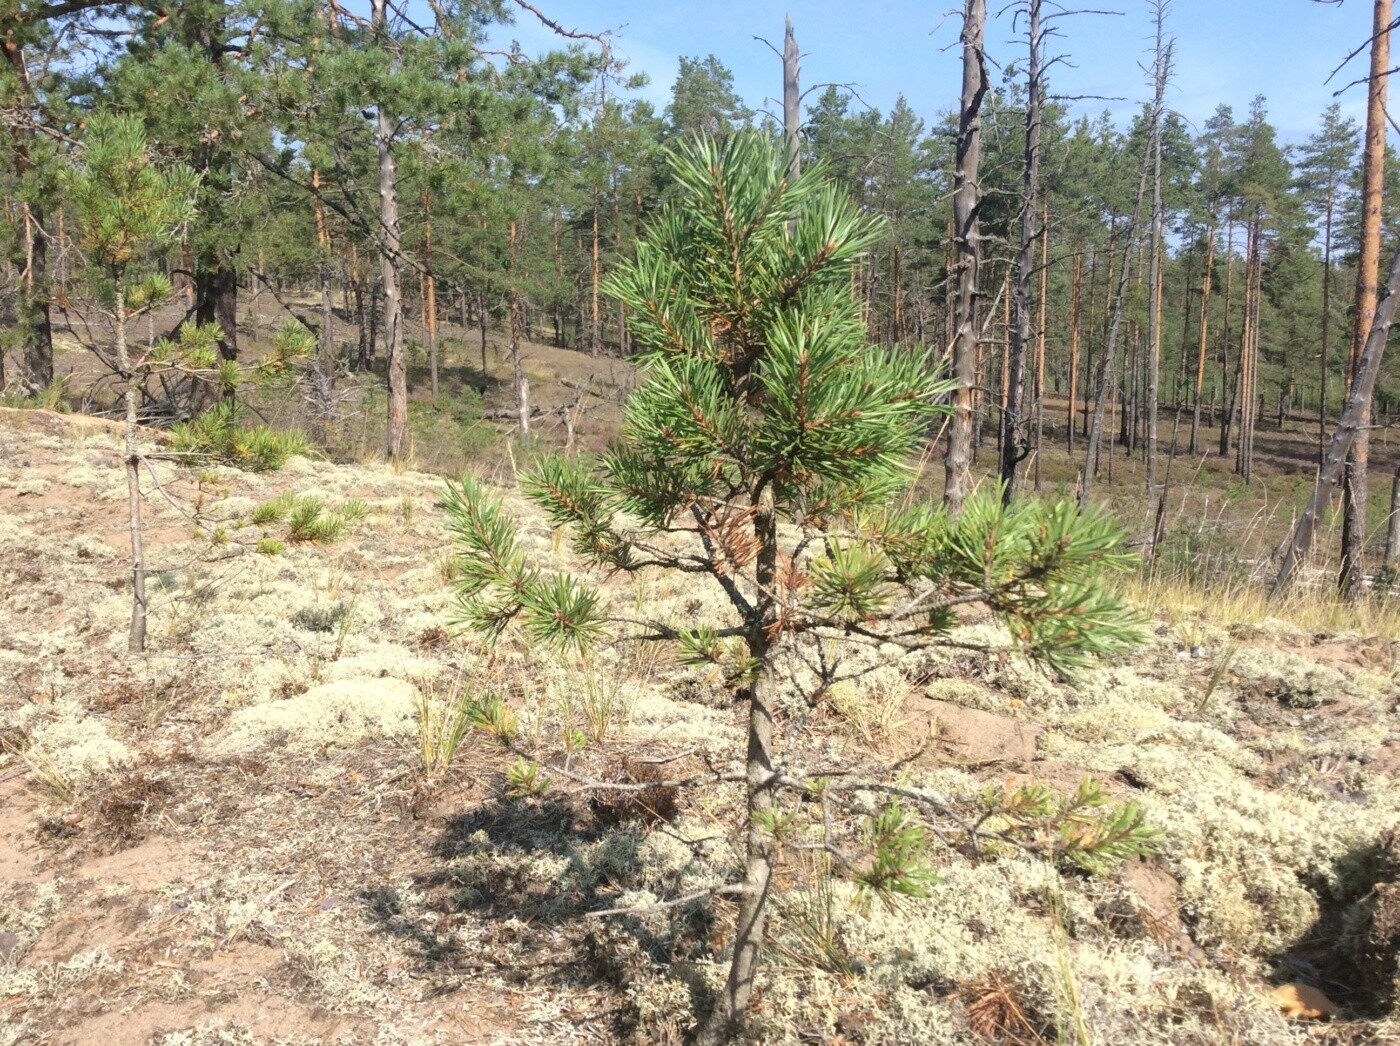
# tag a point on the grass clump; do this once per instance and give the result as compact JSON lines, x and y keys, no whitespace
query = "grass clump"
{"x":442,"y":724}
{"x":271,"y":546}
{"x":219,"y":434}
{"x":275,"y":510}
{"x":308,"y":520}
{"x":353,"y":510}
{"x":53,"y":396}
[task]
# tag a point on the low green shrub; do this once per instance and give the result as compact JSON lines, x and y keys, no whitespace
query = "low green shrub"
{"x":219,"y":434}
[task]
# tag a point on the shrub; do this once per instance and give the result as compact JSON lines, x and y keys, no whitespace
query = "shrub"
{"x":218,"y":434}
{"x":309,"y":520}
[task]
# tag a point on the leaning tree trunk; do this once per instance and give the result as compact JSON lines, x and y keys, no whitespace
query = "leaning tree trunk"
{"x":389,"y":254}
{"x":966,"y":205}
{"x":1013,"y":440}
{"x":1352,"y":575}
{"x":1355,"y":416}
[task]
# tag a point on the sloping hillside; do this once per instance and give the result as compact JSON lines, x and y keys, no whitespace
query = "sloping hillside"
{"x":233,"y":837}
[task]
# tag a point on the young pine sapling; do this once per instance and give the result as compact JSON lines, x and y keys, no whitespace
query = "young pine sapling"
{"x":769,"y":450}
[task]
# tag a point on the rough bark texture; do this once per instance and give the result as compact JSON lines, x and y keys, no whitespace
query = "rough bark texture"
{"x":966,"y":205}
{"x":30,"y":261}
{"x":389,"y":254}
{"x":1013,"y":439}
{"x":1353,"y":570}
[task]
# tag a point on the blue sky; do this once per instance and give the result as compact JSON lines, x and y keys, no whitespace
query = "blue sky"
{"x":1227,"y":50}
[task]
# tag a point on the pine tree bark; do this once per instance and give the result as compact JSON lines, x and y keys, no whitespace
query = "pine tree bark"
{"x":966,"y":238}
{"x":1103,"y":380}
{"x":1074,"y":294}
{"x":215,"y":271}
{"x":389,"y":250}
{"x":1392,"y":530}
{"x":1161,"y":71}
{"x":1246,"y":360}
{"x":595,"y":332}
{"x":430,"y":294}
{"x":1014,"y":445}
{"x":1351,"y":578}
{"x":1038,"y":392}
{"x":1201,"y":345}
{"x":726,"y":1018}
{"x":1326,"y":325}
{"x":522,"y":386}
{"x":1355,"y":416}
{"x":30,"y":256}
{"x":1227,"y":403}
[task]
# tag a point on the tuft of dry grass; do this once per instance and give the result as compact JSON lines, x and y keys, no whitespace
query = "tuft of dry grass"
{"x":50,"y":776}
{"x":443,"y":722}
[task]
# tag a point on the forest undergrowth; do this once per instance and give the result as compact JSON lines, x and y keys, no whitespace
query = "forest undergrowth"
{"x":293,"y":819}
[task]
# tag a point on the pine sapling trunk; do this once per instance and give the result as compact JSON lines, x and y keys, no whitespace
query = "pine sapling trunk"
{"x":727,"y":1016}
{"x":136,"y":638}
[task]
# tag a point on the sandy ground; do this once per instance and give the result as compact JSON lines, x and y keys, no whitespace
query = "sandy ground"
{"x":231,"y":839}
